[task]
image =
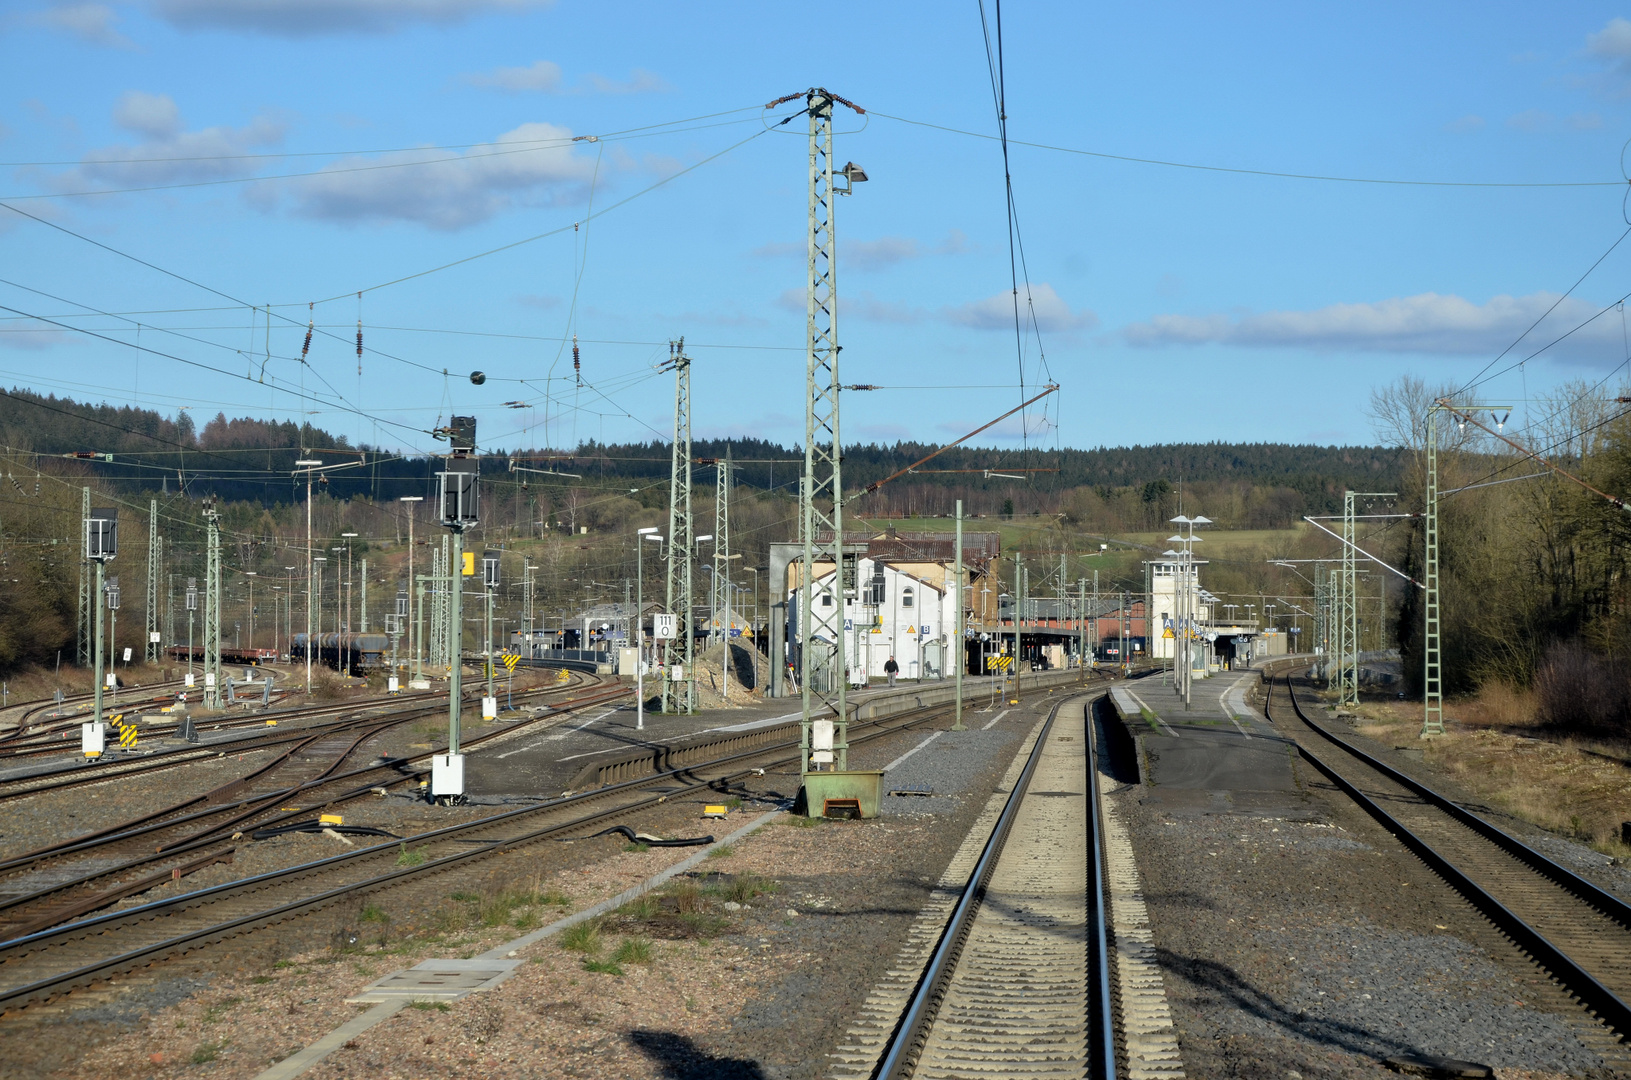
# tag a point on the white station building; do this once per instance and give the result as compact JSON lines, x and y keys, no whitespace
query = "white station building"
{"x":901,"y":602}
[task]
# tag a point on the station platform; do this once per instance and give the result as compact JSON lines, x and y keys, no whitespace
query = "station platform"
{"x":542,"y":764}
{"x":1218,"y":752}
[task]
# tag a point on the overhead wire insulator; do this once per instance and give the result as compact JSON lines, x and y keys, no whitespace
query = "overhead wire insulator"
{"x":311,"y":324}
{"x":577,"y":363}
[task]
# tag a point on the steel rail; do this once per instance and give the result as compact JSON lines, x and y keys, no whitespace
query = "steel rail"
{"x":63,"y":982}
{"x":1608,"y":1007}
{"x":912,"y":1030}
{"x":79,"y":775}
{"x":239,"y":812}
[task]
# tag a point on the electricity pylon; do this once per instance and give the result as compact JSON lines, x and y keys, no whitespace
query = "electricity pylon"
{"x":822,"y":530}
{"x":151,"y":649}
{"x":1432,"y":688}
{"x":681,"y":544}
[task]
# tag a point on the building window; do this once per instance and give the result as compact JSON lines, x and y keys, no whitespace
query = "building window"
{"x":826,"y":599}
{"x":875,"y":591}
{"x":906,"y":597}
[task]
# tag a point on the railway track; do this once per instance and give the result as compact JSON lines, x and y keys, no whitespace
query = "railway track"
{"x":53,"y":962}
{"x":84,"y":772}
{"x":1019,"y":984}
{"x":1579,"y":934}
{"x":21,"y":731}
{"x":60,"y":882}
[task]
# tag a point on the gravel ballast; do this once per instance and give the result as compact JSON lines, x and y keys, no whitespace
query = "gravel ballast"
{"x":1303,"y":939}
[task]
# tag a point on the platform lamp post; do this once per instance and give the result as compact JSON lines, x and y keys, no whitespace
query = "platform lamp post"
{"x":641,"y":535}
{"x":1187,"y":540}
{"x":348,"y":537}
{"x":412,"y":513}
{"x":101,"y":544}
{"x":288,"y":611}
{"x":308,"y":464}
{"x":489,"y":580}
{"x":458,"y":501}
{"x":192,"y":608}
{"x":251,"y":575}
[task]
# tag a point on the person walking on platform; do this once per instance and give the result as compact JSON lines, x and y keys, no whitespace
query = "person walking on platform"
{"x":890,"y":668}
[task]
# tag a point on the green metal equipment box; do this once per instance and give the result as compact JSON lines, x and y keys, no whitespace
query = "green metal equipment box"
{"x":852,"y":793}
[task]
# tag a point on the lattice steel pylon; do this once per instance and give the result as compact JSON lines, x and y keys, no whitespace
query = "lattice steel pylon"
{"x":1432,"y":686}
{"x":152,"y":647}
{"x":681,"y":543}
{"x":822,"y":530}
{"x":212,"y":612}
{"x":1346,"y":678}
{"x":87,"y":590}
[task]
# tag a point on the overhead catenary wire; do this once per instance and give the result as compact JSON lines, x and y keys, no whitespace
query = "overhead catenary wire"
{"x":1328,"y":178}
{"x":378,"y":150}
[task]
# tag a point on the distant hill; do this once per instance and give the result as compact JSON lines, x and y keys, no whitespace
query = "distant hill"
{"x":252,"y":460}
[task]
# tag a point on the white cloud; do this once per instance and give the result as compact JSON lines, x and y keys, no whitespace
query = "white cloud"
{"x":879,"y":254}
{"x":858,"y":304}
{"x":153,"y":115}
{"x":450,"y":193}
{"x":543,"y":76}
{"x":1611,"y":48}
{"x":639,"y":81}
{"x":313,"y":18}
{"x":778,"y":250}
{"x":1428,"y":323}
{"x":1612,"y":43}
{"x":996,"y":312}
{"x":94,"y":23}
{"x":30,"y":334}
{"x":170,"y":154}
{"x":1529,"y":120}
{"x":1585,"y":121}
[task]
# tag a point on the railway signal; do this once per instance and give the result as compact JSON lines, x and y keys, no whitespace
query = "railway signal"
{"x":489,"y":579}
{"x":458,"y":499}
{"x":101,"y":544}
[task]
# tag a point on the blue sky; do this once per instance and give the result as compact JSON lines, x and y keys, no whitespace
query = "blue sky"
{"x":1174,"y":303}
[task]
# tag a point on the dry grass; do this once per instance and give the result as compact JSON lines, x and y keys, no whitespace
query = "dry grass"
{"x":1492,"y":750}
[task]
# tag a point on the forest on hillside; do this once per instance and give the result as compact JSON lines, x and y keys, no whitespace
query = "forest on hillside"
{"x":1260,"y":485}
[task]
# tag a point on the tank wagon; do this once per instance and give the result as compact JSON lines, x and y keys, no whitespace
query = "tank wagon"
{"x":352,"y":653}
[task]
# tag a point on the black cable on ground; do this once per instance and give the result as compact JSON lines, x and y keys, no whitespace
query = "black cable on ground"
{"x":644,"y":838}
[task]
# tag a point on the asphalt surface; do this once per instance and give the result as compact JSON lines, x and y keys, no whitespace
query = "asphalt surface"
{"x":1299,"y":939}
{"x":544,"y":763}
{"x":1219,"y":752}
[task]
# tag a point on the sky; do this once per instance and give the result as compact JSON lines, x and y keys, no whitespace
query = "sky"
{"x":204,"y":179}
